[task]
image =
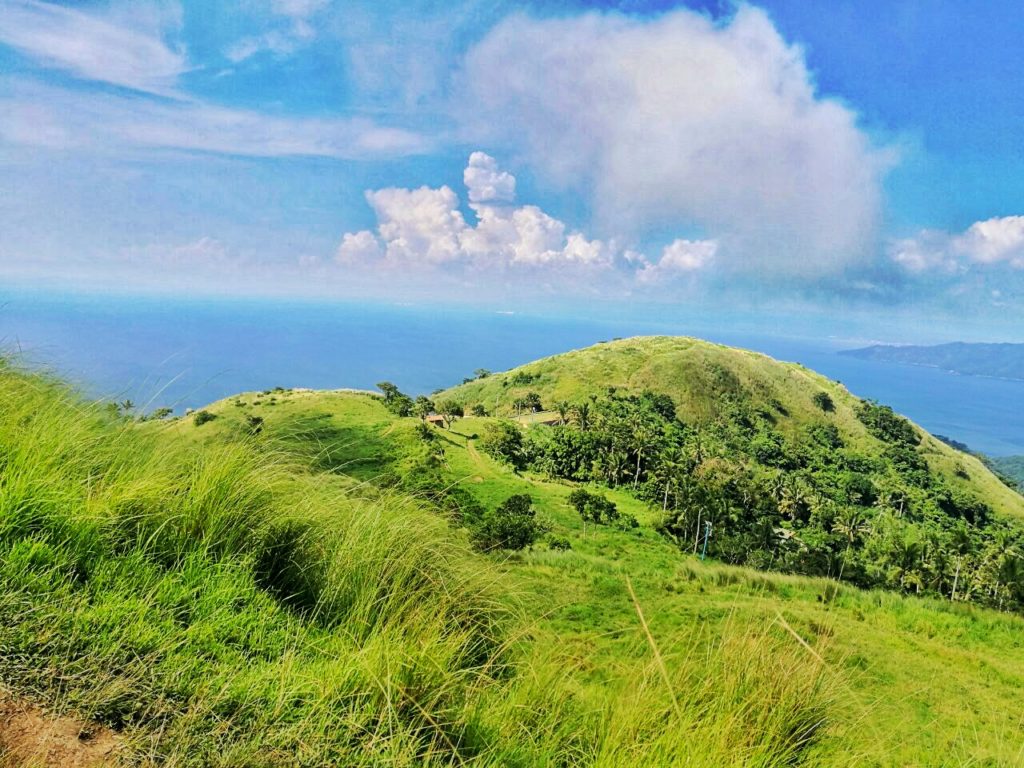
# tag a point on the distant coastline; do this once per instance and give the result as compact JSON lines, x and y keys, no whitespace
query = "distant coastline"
{"x":997,"y":361}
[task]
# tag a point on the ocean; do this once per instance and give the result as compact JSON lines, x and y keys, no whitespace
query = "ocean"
{"x":185,"y":353}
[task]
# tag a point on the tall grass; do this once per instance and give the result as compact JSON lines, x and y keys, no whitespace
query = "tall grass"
{"x":218,"y":606}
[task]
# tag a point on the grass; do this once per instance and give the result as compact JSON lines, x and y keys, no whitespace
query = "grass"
{"x":908,"y":681}
{"x":219,"y":599}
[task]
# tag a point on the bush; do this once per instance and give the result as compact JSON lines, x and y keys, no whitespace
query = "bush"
{"x":885,"y":424}
{"x":504,"y":442}
{"x":593,"y":508}
{"x":513,"y":525}
{"x":824,"y":401}
{"x":559,"y":543}
{"x":202,"y":417}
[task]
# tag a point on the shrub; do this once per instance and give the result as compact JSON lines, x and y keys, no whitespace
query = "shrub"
{"x":885,"y":424}
{"x":824,"y":401}
{"x":504,"y":442}
{"x":512,"y":525}
{"x":559,"y":543}
{"x":202,"y":417}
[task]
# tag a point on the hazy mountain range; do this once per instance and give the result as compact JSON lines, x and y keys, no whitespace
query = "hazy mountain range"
{"x":982,"y":359}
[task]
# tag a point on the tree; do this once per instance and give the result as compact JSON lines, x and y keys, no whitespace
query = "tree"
{"x":423,"y":406}
{"x":481,"y":373}
{"x":503,"y":441}
{"x":563,"y":407}
{"x":390,"y":390}
{"x":398,"y":403}
{"x":581,"y":412}
{"x":512,"y":525}
{"x":450,"y":410}
{"x":479,"y":410}
{"x":961,"y":543}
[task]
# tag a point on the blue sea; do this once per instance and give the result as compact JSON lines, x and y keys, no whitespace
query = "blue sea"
{"x":184,"y":353}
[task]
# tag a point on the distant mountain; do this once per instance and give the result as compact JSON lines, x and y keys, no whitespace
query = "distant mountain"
{"x":1005,"y":361}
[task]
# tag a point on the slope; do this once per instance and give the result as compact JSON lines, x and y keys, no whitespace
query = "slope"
{"x":700,"y":376}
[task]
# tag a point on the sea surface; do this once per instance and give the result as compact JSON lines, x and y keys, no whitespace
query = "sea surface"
{"x":185,"y":353}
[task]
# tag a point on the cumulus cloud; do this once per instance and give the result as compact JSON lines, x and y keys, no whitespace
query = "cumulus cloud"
{"x":124,"y":47}
{"x":996,"y":241}
{"x":487,"y":184}
{"x":425,"y":228}
{"x":682,"y":119}
{"x":680,"y":257}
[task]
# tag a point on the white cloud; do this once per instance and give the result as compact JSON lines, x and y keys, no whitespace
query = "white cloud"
{"x":986,"y":243}
{"x":680,"y":257}
{"x":359,"y":247}
{"x":418,"y":225}
{"x":124,"y":48}
{"x":681,"y":119}
{"x":284,"y":40}
{"x":36,"y":115}
{"x":993,"y":241}
{"x":425,"y":228}
{"x":486,"y":183}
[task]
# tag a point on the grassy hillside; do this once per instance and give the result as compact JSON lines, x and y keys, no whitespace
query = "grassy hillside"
{"x":897,"y":672}
{"x":288,"y":581}
{"x":698,"y":376}
{"x":230,"y":600}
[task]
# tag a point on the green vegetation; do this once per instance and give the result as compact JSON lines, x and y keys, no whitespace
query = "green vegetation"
{"x":312,"y":591}
{"x":810,"y":494}
{"x":1010,"y":467}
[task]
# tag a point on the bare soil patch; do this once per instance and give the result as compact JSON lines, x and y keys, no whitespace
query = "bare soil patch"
{"x":29,"y":736}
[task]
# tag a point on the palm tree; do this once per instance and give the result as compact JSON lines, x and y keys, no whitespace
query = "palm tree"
{"x":581,"y":411}
{"x":852,"y":524}
{"x":961,"y":543}
{"x":563,"y":407}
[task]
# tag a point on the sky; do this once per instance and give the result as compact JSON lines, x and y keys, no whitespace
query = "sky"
{"x":843,"y":155}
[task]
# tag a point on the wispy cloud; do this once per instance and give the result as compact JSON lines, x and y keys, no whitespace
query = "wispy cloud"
{"x":39,"y":115}
{"x":108,"y":49}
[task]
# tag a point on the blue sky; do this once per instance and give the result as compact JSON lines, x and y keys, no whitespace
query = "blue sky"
{"x":855,"y":154}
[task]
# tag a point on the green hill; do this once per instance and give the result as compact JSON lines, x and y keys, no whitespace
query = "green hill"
{"x":702,"y":378}
{"x":291,"y":579}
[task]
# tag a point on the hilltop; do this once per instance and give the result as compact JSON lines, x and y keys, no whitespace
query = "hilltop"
{"x":1004,"y":361}
{"x":704,"y":379}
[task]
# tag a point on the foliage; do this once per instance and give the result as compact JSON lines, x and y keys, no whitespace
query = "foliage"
{"x":450,"y":410}
{"x":824,"y":401}
{"x":396,"y":401}
{"x":503,"y":441}
{"x":202,"y":417}
{"x":886,"y":425}
{"x":512,"y":525}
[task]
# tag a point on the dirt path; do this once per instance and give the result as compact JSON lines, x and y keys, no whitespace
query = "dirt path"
{"x":31,"y":737}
